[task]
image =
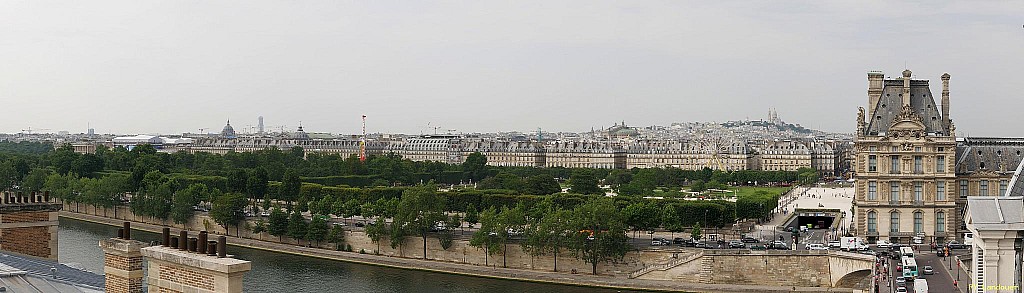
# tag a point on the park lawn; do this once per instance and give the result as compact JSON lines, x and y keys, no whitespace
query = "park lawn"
{"x":749,"y":190}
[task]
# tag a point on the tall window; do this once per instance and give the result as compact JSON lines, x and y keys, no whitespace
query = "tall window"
{"x":940,"y":190}
{"x":872,"y":190}
{"x":940,"y":164}
{"x":872,"y":221}
{"x":918,"y":165}
{"x":894,"y":222}
{"x":1002,"y":187}
{"x":983,"y":187}
{"x":895,"y":165}
{"x":963,"y":188}
{"x":872,"y":163}
{"x":940,"y":222}
{"x":894,"y":192}
{"x":918,"y":191}
{"x":918,"y":222}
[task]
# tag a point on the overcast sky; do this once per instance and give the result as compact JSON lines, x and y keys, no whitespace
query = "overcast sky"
{"x":483,"y":66}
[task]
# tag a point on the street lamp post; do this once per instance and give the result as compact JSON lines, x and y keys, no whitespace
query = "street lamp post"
{"x":704,"y":236}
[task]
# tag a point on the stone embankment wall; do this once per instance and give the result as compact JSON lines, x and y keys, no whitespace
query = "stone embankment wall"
{"x":778,"y":268}
{"x":459,"y":252}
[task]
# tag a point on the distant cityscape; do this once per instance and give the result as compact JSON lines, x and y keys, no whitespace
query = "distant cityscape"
{"x":766,"y":144}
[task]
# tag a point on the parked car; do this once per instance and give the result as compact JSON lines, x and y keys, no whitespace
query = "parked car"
{"x":758,"y":247}
{"x":736,"y":244}
{"x":750,"y":240}
{"x":901,"y":290}
{"x":956,"y":245}
{"x":883,"y":244}
{"x":779,"y":245}
{"x":918,"y":240}
{"x":678,"y":240}
{"x":869,"y":252}
{"x":928,"y":270}
{"x":660,"y":241}
{"x":700,"y":245}
{"x":816,"y":246}
{"x":900,"y":281}
{"x":834,"y":244}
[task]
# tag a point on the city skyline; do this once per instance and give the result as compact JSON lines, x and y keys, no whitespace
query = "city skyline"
{"x":170,"y":67}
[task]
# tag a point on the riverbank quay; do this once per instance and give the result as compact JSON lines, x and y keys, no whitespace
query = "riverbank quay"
{"x":473,"y":270}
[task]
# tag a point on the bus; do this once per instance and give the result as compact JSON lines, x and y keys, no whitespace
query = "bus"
{"x":909,"y":268}
{"x":906,"y":251}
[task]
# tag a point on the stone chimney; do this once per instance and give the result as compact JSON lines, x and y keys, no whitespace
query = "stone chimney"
{"x":874,"y":89}
{"x":906,"y":87}
{"x":945,"y":102}
{"x":28,"y":224}
{"x":122,"y":263}
{"x":176,"y":270}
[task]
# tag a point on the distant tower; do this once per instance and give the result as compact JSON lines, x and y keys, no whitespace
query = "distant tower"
{"x":90,"y":131}
{"x":362,"y":143}
{"x":261,"y":125}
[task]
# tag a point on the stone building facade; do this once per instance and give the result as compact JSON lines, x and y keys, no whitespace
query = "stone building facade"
{"x":905,"y":151}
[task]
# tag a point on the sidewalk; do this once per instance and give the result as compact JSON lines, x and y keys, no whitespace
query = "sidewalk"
{"x":584,"y":280}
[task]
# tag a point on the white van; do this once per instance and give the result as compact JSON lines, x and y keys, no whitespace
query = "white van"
{"x":968,"y":239}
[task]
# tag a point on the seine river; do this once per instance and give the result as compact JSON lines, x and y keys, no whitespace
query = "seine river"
{"x":278,"y":272}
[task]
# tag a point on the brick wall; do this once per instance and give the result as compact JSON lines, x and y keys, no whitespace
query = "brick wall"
{"x":24,"y":217}
{"x":122,"y":263}
{"x":187,"y":277}
{"x":34,"y":241}
{"x":117,"y":284}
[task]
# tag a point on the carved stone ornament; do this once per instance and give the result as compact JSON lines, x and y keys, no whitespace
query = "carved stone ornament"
{"x":860,"y":120}
{"x":907,"y":114}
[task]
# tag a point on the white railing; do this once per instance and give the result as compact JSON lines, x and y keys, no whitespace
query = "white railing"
{"x":665,"y":267}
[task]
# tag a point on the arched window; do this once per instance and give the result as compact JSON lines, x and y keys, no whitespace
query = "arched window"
{"x":872,"y":221}
{"x":894,"y":222}
{"x":918,"y":222}
{"x":940,"y":222}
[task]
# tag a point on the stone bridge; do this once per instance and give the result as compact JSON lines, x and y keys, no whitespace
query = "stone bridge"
{"x":803,"y":268}
{"x":800,"y":268}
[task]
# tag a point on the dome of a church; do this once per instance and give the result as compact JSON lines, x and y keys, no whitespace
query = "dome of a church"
{"x":228,"y":132}
{"x":299,"y":134}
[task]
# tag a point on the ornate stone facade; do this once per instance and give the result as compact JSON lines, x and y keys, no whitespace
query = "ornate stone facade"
{"x":905,"y":153}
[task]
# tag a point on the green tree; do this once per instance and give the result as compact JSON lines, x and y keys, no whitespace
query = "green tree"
{"x":472,"y":216}
{"x":278,"y":223}
{"x":475,"y":166}
{"x":601,"y":233}
{"x":420,"y":210}
{"x":583,"y":182}
{"x":542,"y":184}
{"x":259,"y":227}
{"x":695,"y":233}
{"x":670,"y":219}
{"x":318,"y":229}
{"x":487,"y":236}
{"x":549,"y":234}
{"x":511,"y":223}
{"x":297,"y":226}
{"x":35,"y":179}
{"x":290,"y":185}
{"x":698,"y":186}
{"x":228,"y":210}
{"x":184,"y":202}
{"x":337,"y":236}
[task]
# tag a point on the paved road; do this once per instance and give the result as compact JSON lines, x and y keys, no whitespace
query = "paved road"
{"x":941,"y":281}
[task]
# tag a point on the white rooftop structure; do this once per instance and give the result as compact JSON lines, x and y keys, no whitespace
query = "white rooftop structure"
{"x":997,"y":223}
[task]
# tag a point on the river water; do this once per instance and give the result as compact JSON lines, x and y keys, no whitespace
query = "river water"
{"x":278,"y":272}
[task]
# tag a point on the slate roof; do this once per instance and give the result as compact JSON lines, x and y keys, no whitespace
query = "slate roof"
{"x":890,"y":104}
{"x":975,"y":154}
{"x":996,"y":213}
{"x":25,"y":274}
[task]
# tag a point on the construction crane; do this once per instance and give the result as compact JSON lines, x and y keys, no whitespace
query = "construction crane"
{"x":29,"y":130}
{"x":363,"y":141}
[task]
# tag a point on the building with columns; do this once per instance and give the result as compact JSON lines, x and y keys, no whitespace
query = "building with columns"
{"x":905,"y":149}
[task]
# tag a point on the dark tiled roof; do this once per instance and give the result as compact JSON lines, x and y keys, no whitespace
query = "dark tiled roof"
{"x":995,"y":154}
{"x":38,"y":275}
{"x":891,"y":103}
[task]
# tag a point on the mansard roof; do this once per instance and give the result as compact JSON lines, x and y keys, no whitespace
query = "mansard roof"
{"x":890,"y":104}
{"x":1001,"y":155}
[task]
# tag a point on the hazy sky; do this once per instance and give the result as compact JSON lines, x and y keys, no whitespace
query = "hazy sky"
{"x":178,"y":66}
